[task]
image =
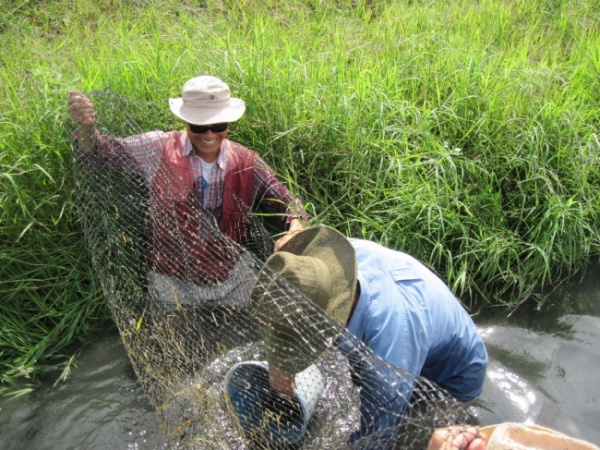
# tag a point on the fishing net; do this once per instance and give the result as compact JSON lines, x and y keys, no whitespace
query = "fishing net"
{"x":194,"y":339}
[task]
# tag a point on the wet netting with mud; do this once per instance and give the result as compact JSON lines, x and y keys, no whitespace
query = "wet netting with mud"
{"x":179,"y":290}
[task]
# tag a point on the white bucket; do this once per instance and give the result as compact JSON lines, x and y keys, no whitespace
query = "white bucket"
{"x":260,"y":409}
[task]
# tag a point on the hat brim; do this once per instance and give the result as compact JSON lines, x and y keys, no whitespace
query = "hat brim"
{"x":283,"y":316}
{"x":206,"y":116}
{"x":333,"y":248}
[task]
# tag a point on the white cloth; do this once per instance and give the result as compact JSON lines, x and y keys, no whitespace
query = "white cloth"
{"x":519,"y":436}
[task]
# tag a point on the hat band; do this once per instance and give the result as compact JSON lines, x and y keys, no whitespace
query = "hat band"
{"x":207,"y":107}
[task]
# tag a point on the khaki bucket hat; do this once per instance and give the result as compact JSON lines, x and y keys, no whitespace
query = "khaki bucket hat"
{"x":319,"y":263}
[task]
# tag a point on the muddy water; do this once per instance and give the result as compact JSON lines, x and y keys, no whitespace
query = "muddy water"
{"x":545,"y":365}
{"x":100,"y":406}
{"x":544,"y":369}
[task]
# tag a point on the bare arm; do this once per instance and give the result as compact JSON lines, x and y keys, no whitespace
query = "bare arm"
{"x":82,"y":112}
{"x":274,"y":197}
{"x":282,"y":382}
{"x":295,"y":228}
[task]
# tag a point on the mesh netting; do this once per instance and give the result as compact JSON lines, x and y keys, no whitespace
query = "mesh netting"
{"x":194,"y":339}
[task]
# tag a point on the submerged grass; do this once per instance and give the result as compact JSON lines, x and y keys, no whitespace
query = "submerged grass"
{"x":463,"y":132}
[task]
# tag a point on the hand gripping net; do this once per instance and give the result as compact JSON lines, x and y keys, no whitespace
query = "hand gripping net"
{"x":185,"y":320}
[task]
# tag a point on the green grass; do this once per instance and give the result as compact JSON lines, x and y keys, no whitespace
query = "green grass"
{"x":463,"y":132}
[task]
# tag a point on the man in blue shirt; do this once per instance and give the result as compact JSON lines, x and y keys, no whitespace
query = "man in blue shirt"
{"x":390,"y":301}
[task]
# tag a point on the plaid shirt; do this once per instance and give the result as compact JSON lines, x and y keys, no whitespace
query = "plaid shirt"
{"x":269,"y":194}
{"x":266,"y":189}
{"x":211,"y":197}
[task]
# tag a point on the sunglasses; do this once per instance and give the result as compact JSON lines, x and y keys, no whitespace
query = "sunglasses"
{"x":215,"y":128}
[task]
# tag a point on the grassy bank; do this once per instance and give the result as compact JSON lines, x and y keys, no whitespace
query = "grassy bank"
{"x":463,"y":132}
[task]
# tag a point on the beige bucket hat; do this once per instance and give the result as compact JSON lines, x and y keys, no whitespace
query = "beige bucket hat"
{"x":206,"y":100}
{"x":519,"y":436}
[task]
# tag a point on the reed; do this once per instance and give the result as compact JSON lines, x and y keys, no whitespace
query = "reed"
{"x":463,"y":132}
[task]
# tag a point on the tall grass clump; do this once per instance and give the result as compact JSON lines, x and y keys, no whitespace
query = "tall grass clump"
{"x":47,"y":289}
{"x":463,"y":132}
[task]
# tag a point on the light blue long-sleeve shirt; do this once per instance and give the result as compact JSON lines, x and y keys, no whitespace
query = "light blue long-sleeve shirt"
{"x":408,"y":316}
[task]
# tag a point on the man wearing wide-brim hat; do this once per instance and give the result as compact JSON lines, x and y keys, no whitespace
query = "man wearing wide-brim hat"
{"x":390,"y":301}
{"x":204,"y":189}
{"x":196,"y":167}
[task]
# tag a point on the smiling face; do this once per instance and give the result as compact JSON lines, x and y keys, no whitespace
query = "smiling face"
{"x":205,"y":140}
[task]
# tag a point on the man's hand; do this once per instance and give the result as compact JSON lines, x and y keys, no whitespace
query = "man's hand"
{"x":82,"y":112}
{"x":282,"y":382}
{"x":295,"y":228}
{"x":81,"y":109}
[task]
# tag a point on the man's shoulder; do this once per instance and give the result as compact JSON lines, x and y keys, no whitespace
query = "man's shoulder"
{"x":370,"y":256}
{"x":363,"y":246}
{"x":360,"y":243}
{"x":240,"y":154}
{"x":378,"y":260}
{"x":154,"y":138}
{"x":158,"y":134}
{"x":235,"y":146}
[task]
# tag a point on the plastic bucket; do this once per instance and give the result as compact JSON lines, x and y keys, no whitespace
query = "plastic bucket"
{"x":263,"y":411}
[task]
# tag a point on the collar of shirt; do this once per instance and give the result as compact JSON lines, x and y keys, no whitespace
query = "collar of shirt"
{"x":188,"y":150}
{"x":356,"y":324}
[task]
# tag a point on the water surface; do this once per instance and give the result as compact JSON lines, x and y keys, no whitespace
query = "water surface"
{"x":100,"y":406}
{"x":544,"y":369}
{"x":545,"y":364}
